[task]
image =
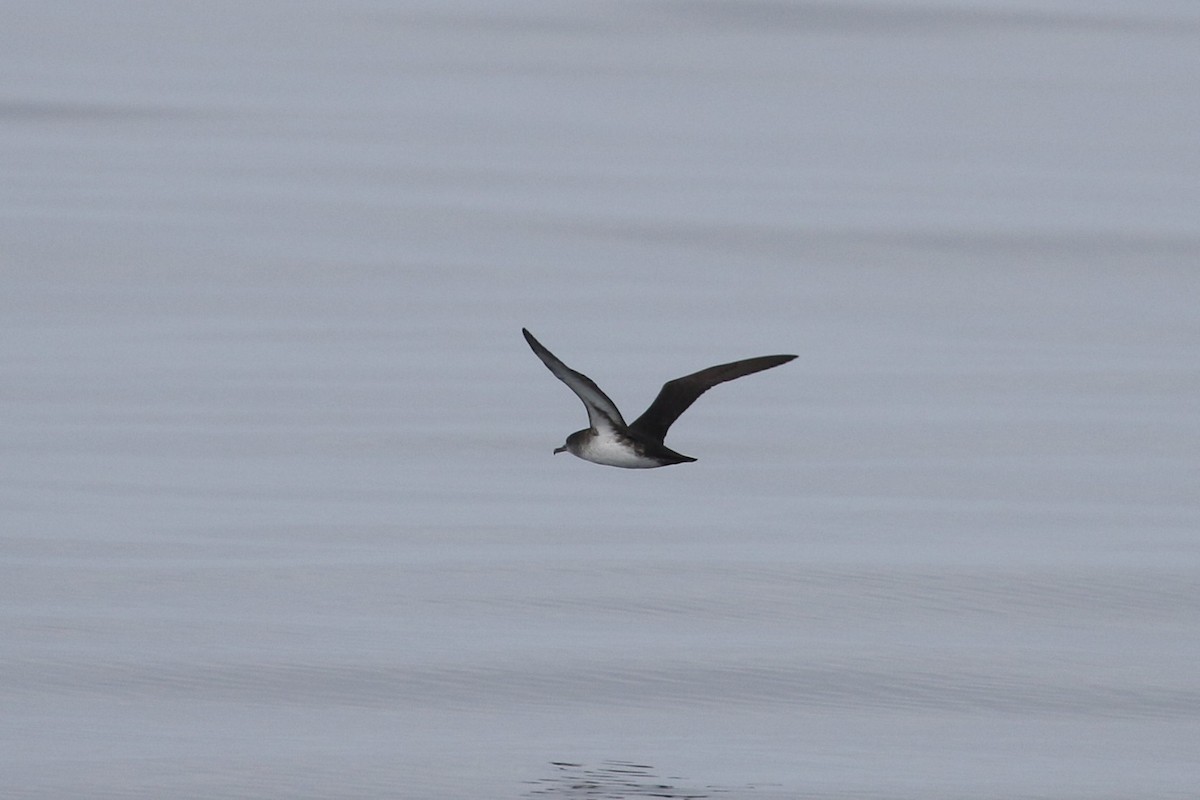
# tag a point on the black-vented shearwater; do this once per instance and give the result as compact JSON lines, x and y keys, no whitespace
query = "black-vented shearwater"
{"x":610,"y":441}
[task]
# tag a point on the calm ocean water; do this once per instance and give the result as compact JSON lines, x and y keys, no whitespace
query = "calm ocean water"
{"x":278,"y":512}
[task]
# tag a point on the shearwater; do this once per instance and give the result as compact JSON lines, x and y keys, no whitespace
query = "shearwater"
{"x":610,"y":441}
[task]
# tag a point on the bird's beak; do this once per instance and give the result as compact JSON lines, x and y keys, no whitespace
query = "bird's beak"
{"x":558,"y":450}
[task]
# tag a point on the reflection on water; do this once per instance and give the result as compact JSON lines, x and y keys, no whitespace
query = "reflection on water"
{"x":613,"y":780}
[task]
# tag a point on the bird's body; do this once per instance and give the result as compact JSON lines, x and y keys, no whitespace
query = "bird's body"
{"x":610,"y":441}
{"x":617,"y":451}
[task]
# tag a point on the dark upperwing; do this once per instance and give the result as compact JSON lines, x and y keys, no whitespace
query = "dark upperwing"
{"x":677,"y":395}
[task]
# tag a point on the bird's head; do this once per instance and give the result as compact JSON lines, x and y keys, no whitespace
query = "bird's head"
{"x":574,"y":442}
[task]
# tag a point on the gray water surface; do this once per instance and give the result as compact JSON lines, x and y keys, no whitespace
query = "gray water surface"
{"x":278,"y":512}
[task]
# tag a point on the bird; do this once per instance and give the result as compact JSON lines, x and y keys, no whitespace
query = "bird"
{"x":608,"y":440}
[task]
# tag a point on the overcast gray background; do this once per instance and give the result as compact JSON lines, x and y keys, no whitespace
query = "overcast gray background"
{"x":278,"y":512}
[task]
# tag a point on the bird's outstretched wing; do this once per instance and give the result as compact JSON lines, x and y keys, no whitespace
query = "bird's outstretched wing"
{"x":602,"y":412}
{"x":677,"y":395}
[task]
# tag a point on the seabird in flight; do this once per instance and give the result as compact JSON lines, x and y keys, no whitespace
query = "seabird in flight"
{"x":609,"y":440}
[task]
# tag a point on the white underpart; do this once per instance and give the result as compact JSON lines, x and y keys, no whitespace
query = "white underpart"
{"x":611,"y":451}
